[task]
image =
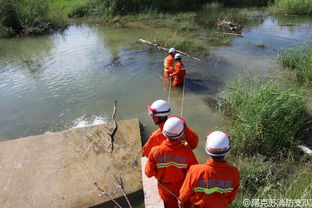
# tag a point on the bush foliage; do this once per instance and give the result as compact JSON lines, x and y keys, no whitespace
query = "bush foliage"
{"x":27,"y":17}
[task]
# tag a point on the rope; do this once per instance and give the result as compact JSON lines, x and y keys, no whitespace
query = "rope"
{"x":182,"y":102}
{"x":169,"y":89}
{"x":170,"y":192}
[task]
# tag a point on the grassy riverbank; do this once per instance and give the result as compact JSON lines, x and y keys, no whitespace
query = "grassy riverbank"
{"x":266,"y":117}
{"x":292,"y":7}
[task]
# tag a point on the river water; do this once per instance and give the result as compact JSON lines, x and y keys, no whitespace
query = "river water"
{"x":70,"y":79}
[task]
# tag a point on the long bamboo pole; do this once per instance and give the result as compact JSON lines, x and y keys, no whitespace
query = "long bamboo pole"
{"x":166,"y":49}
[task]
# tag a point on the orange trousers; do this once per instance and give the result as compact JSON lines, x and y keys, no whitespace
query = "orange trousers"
{"x":170,"y":201}
{"x":166,"y":74}
{"x":178,"y":81}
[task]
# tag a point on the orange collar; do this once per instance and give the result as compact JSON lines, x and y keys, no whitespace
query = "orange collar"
{"x":216,"y":164}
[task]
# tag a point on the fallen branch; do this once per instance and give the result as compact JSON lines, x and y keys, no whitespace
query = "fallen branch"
{"x":235,"y":34}
{"x":121,"y":186}
{"x":167,"y":49}
{"x":103,"y":192}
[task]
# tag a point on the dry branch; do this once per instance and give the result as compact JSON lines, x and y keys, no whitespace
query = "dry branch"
{"x":112,"y":134}
{"x":103,"y":192}
{"x":121,"y":186}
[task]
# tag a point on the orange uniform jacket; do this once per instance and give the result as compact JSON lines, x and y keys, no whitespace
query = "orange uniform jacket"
{"x":169,"y":163}
{"x":210,"y":185}
{"x":168,"y":66}
{"x":157,"y":138}
{"x":179,"y":74}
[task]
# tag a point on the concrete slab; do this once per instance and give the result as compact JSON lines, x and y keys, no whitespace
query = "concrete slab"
{"x":59,"y":169}
{"x":150,"y":189}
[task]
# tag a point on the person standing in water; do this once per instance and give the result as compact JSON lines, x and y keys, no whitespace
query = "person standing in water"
{"x":169,"y":63}
{"x":179,"y":71}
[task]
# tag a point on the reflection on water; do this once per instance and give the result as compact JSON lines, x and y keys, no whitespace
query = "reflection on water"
{"x":70,"y":79}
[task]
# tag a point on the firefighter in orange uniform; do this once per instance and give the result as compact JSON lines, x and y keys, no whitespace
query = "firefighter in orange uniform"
{"x":169,"y":63}
{"x":179,"y":71}
{"x":215,"y":183}
{"x":160,"y":110}
{"x":170,"y":161}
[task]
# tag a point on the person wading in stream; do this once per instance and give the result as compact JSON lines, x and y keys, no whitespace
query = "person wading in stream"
{"x":170,"y":161}
{"x":160,"y":110}
{"x":179,"y":71}
{"x":169,"y":63}
{"x":215,"y":183}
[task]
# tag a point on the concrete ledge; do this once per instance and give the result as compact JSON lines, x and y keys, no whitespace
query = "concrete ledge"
{"x":59,"y":169}
{"x":150,"y":188}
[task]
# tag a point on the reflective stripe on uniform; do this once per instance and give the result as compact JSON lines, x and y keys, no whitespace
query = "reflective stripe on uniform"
{"x":169,"y":70}
{"x":178,"y":165}
{"x":212,"y":190}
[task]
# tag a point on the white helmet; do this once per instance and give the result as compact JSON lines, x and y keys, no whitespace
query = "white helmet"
{"x":174,"y":127}
{"x":177,"y":56}
{"x":217,"y":143}
{"x":159,"y":108}
{"x":172,"y":50}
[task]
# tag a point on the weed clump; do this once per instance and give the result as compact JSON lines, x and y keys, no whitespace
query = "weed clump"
{"x":265,"y":115}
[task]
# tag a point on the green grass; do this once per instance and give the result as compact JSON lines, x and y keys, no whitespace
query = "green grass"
{"x":292,"y":7}
{"x":239,"y":15}
{"x":28,"y":17}
{"x":264,"y":116}
{"x":298,"y":58}
{"x":72,"y":8}
{"x":212,"y":5}
{"x":180,"y":43}
{"x":264,"y":178}
{"x":182,"y":21}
